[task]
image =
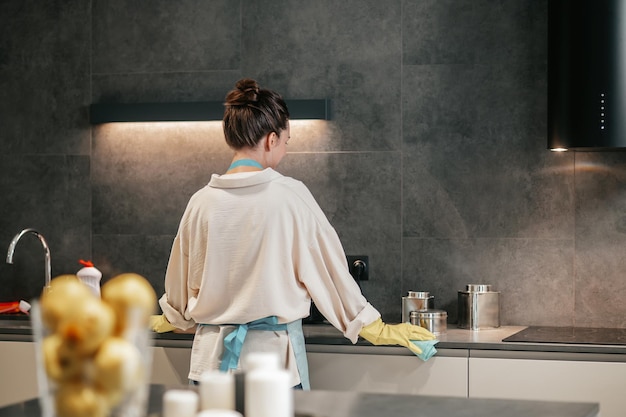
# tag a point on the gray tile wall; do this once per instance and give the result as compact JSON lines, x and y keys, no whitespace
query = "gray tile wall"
{"x":435,"y":163}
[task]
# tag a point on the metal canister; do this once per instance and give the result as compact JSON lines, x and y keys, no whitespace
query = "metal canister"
{"x":479,"y":307}
{"x":415,"y":301}
{"x":435,"y":321}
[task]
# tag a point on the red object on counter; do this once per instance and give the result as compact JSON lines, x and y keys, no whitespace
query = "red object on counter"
{"x":14,"y":307}
{"x":10,"y":307}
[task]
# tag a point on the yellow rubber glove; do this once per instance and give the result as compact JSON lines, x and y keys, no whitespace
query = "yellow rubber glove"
{"x":379,"y":333}
{"x":160,"y":324}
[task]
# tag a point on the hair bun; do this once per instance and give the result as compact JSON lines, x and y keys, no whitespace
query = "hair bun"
{"x":251,"y":112}
{"x":249,"y":89}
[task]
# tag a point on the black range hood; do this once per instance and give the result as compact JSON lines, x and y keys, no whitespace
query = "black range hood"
{"x":587,"y":75}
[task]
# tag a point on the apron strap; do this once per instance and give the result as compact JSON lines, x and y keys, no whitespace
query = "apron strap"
{"x":234,"y":341}
{"x":296,"y":337}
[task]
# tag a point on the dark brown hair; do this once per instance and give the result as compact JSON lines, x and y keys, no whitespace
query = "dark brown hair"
{"x":251,"y":113}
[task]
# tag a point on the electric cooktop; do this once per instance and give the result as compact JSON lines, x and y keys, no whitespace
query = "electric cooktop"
{"x":572,"y":335}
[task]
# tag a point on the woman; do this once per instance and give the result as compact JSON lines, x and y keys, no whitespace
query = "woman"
{"x":254,"y":248}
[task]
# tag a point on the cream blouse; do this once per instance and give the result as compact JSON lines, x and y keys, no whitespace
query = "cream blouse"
{"x":253,"y":245}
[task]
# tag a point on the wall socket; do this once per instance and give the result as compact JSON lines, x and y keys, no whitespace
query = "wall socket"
{"x":359,"y":266}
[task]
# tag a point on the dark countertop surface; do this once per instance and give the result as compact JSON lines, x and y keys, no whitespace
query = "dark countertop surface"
{"x":505,"y":338}
{"x":494,"y":339}
{"x":354,"y":404}
{"x":570,"y":335}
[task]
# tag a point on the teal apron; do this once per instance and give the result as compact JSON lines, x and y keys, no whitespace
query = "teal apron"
{"x":233,"y":343}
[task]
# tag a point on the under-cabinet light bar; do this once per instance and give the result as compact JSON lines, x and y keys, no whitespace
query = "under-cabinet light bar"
{"x":193,"y":111}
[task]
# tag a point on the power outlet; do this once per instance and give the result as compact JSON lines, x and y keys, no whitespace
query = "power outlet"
{"x":359,"y":267}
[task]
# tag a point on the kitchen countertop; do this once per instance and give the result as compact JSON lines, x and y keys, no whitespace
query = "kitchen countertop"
{"x":321,"y":337}
{"x":455,"y":338}
{"x":487,"y":342}
{"x":354,"y":404}
{"x":571,"y":335}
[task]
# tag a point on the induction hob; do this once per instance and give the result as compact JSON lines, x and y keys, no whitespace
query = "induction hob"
{"x":571,"y":335}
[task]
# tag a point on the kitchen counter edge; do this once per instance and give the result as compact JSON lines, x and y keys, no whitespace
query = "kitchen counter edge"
{"x":456,"y":342}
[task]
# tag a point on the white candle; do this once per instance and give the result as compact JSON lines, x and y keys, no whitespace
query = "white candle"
{"x":268,"y":394}
{"x":217,"y":390}
{"x":180,"y":403}
{"x":261,"y":360}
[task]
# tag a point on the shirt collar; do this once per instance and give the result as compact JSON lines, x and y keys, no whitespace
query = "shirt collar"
{"x":239,"y":181}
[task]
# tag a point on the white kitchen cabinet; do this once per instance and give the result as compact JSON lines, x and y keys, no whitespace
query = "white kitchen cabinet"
{"x":550,"y":376}
{"x":18,"y":370}
{"x":369,"y":369}
{"x":332,"y":369}
{"x":170,"y":366}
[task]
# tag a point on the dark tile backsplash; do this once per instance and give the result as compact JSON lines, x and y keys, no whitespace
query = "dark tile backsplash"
{"x":434,"y":163}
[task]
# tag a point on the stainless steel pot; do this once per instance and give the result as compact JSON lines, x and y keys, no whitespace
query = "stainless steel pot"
{"x":435,"y":321}
{"x":415,"y":301}
{"x":479,"y":307}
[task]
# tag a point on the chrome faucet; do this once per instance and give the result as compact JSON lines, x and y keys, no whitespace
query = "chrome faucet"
{"x":45,"y":247}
